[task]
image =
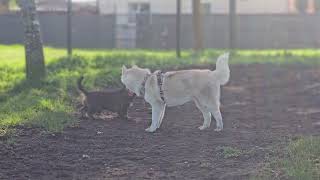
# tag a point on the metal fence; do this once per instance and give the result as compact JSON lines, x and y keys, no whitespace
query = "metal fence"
{"x":158,"y":31}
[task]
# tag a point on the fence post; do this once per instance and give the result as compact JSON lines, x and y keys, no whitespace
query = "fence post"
{"x":197,"y":25}
{"x":69,"y":28}
{"x":232,"y":24}
{"x":178,"y":20}
{"x":98,"y":6}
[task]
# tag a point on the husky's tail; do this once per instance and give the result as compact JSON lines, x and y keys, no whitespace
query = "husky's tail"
{"x":80,"y":87}
{"x":222,"y":71}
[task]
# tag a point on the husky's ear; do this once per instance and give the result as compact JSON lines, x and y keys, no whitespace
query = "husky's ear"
{"x":124,"y":68}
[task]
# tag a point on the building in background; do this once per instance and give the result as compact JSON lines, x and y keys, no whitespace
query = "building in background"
{"x":47,"y":5}
{"x":61,"y":5}
{"x":169,"y":6}
{"x":126,"y":12}
{"x":304,"y":6}
{"x":209,"y":6}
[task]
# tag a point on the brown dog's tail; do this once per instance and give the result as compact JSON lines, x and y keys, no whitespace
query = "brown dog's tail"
{"x":80,"y":87}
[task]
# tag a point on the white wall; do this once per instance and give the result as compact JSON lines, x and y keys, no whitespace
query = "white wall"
{"x":262,"y":6}
{"x":217,"y":6}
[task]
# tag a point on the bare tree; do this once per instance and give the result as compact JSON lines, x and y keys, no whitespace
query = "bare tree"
{"x":197,"y":24}
{"x":35,"y":66}
{"x":317,"y":6}
{"x":178,"y":25}
{"x":98,"y":7}
{"x":302,"y":5}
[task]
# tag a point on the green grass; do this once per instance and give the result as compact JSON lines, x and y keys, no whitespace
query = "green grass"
{"x":230,"y":152}
{"x":13,"y":4}
{"x":301,"y":161}
{"x":52,"y":105}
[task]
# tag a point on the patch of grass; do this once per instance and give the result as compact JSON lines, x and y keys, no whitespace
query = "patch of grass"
{"x":303,"y":159}
{"x":52,"y":104}
{"x":230,"y":152}
{"x":269,"y":170}
{"x":300,"y":162}
{"x":13,"y":5}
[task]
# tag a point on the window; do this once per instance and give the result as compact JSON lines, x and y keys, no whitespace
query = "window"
{"x":303,"y":6}
{"x":206,"y":8}
{"x":139,"y":8}
{"x":292,"y":6}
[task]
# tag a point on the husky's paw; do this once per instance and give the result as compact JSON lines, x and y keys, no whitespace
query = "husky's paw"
{"x":218,"y":129}
{"x":151,"y":129}
{"x":203,"y":127}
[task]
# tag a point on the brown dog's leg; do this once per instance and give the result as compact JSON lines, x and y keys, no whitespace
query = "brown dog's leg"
{"x":83,"y":110}
{"x":123,"y":113}
{"x":90,"y":113}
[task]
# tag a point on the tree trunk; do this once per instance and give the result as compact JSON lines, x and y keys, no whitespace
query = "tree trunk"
{"x":317,"y":6}
{"x":98,"y":7}
{"x":178,"y":25}
{"x":197,"y":25}
{"x":35,"y":66}
{"x":302,"y":5}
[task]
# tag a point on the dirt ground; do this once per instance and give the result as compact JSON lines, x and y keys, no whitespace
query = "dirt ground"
{"x":264,"y":106}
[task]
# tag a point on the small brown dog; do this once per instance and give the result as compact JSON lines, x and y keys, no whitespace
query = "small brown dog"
{"x":95,"y":101}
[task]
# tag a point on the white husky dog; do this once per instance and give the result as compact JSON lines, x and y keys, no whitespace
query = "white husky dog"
{"x":179,"y":87}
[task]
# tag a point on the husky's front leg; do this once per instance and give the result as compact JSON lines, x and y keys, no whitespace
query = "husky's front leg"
{"x":161,"y":116}
{"x":157,"y":111}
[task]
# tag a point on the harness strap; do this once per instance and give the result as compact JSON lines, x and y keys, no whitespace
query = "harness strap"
{"x":143,"y":88}
{"x":160,"y":82}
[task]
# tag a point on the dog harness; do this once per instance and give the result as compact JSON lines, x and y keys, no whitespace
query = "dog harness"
{"x":143,"y":85}
{"x":160,"y":82}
